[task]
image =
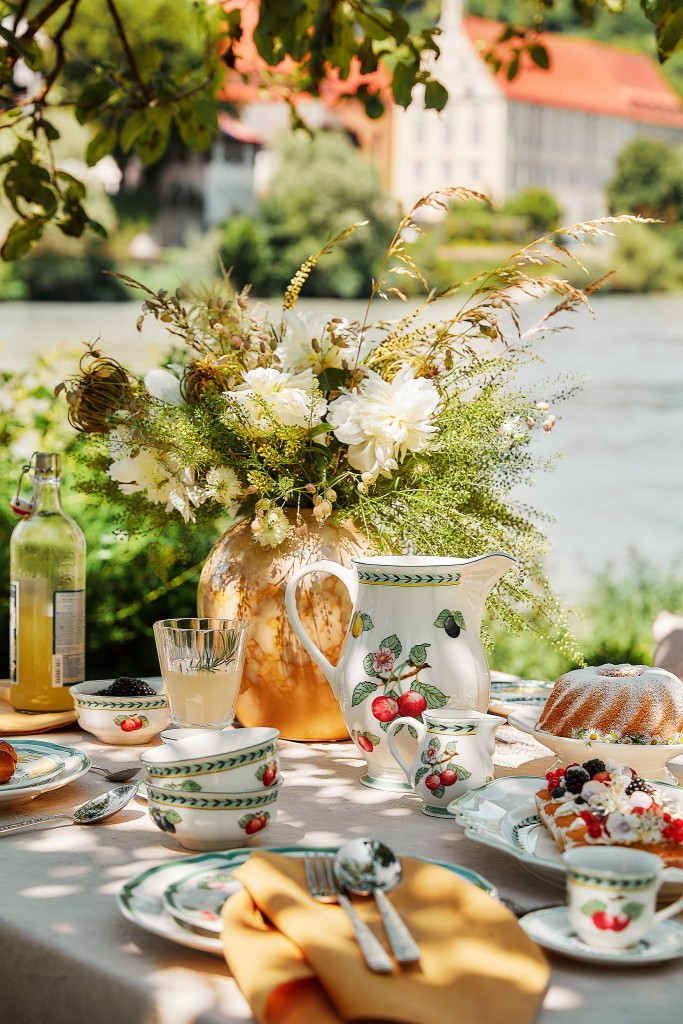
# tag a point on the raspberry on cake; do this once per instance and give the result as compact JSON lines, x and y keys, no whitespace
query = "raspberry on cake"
{"x":616,"y":703}
{"x":605,"y":803}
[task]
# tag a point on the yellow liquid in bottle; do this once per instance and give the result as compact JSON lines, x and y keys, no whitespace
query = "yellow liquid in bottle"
{"x":34,"y":690}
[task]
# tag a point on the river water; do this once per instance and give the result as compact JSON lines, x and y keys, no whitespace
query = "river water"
{"x":618,"y":487}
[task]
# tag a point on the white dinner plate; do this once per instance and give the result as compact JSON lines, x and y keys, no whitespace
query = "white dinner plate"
{"x":74,"y":763}
{"x":141,"y":899}
{"x":503,"y":815}
{"x":648,"y":760}
{"x":33,"y":768}
{"x":551,"y":929}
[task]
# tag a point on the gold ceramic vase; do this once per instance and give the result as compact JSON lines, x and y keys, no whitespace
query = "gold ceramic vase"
{"x":281,"y":685}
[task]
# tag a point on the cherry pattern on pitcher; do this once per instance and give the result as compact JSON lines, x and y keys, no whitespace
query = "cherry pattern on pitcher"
{"x":395,"y":686}
{"x":252,"y":823}
{"x":439,"y":770}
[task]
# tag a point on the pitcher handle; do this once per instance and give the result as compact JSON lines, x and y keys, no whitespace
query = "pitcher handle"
{"x":393,"y":726}
{"x":349,"y":580}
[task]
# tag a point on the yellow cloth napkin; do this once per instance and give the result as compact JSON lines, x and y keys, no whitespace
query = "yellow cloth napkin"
{"x":297,"y":960}
{"x":14,"y":723}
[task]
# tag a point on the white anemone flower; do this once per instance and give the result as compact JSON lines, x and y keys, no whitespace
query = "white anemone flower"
{"x":164,"y":480}
{"x":314,"y":342}
{"x":382,"y":421}
{"x":164,"y":386}
{"x":292,"y":397}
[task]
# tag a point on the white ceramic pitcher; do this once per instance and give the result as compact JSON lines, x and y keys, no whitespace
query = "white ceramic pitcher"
{"x":454,"y":754}
{"x":413,"y":644}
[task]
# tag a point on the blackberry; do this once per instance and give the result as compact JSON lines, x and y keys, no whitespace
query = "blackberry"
{"x":594,"y":766}
{"x":557,"y":792}
{"x":127,"y":686}
{"x":636,"y":784}
{"x":575,"y":779}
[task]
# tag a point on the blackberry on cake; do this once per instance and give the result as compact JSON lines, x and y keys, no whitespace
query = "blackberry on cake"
{"x":127,"y":686}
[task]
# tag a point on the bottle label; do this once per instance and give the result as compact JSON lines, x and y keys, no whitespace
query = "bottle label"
{"x":13,"y":619}
{"x":68,"y":631}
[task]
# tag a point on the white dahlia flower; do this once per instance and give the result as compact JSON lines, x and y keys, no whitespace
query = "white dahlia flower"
{"x":292,"y":397}
{"x":382,"y":421}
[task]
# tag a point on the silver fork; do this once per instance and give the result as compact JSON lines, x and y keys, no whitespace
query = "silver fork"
{"x":323,"y":887}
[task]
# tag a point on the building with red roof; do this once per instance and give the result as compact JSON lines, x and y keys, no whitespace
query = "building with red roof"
{"x":560,"y":128}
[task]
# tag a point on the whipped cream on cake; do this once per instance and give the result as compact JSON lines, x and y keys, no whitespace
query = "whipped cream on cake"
{"x":605,"y":803}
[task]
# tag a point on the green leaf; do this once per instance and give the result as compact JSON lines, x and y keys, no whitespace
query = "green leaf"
{"x":403,"y":82}
{"x":371,"y":736}
{"x":539,"y":56}
{"x":119,"y":719}
{"x":367,"y":622}
{"x":21,"y":237}
{"x":393,"y":644}
{"x":190,"y":786}
{"x":461,"y":772}
{"x":451,"y":747}
{"x":418,"y":654}
{"x":592,"y":907}
{"x":420,"y":774}
{"x":634,"y":910}
{"x":434,"y":697}
{"x":333,"y":378}
{"x":151,"y":143}
{"x":132,"y":128}
{"x":149,"y":58}
{"x":173,"y":817}
{"x":14,"y":43}
{"x":367,"y":665}
{"x":362,"y":691}
{"x":51,"y":132}
{"x":100,"y":145}
{"x":513,"y":69}
{"x":459,"y":619}
{"x":76,"y":187}
{"x":440,"y":620}
{"x":438,"y":792}
{"x":413,"y":731}
{"x":669,"y":35}
{"x":196,"y":121}
{"x":436,"y":96}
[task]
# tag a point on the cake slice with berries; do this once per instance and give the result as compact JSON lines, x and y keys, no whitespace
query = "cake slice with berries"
{"x":606,"y":803}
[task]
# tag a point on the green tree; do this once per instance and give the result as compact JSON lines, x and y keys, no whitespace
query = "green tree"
{"x":288,"y":226}
{"x":538,"y":206}
{"x":648,"y":181}
{"x":153,"y":69}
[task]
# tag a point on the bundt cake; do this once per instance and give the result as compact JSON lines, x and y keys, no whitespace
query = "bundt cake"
{"x":617,"y":703}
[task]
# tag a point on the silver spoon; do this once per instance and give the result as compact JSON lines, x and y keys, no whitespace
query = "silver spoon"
{"x":92,"y":811}
{"x":365,"y":867}
{"x":123,"y":775}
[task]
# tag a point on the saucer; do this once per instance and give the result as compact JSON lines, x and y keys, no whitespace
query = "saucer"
{"x":551,"y":929}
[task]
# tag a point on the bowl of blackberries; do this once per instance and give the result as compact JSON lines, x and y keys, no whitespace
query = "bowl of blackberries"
{"x":125,"y":710}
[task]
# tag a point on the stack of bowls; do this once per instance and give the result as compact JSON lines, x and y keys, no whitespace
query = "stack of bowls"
{"x":215,"y":790}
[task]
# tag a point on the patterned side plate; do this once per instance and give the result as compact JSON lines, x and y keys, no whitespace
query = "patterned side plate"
{"x":74,"y":763}
{"x":551,"y":928}
{"x":503,"y":815}
{"x":33,"y":768}
{"x":141,"y":900}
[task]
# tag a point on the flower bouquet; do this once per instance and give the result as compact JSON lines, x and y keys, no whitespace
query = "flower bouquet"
{"x":411,"y":428}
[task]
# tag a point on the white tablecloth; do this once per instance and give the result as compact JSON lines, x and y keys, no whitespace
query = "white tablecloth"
{"x":68,"y":956}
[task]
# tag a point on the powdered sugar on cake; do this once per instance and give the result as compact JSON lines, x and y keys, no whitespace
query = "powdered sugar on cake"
{"x":616,"y":704}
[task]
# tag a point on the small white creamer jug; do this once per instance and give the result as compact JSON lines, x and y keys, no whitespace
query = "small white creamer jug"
{"x":454,"y":754}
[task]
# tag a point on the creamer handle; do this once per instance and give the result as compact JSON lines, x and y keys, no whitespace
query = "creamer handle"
{"x":393,"y":726}
{"x":349,"y":580}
